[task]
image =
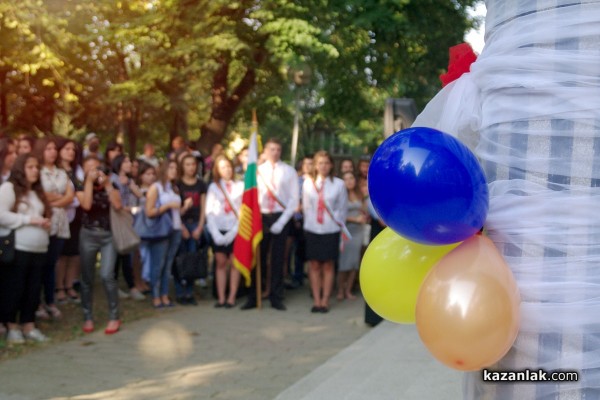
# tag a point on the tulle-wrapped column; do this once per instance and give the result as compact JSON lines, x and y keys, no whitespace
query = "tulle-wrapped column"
{"x":531,"y":109}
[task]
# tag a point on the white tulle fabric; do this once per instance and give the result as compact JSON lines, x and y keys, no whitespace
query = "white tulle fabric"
{"x":530,"y":109}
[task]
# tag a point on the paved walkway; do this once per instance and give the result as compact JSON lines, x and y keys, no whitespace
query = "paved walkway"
{"x":388,"y":363}
{"x":190,"y":353}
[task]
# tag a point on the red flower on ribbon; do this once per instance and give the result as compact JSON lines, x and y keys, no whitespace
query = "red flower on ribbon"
{"x":461,"y":58}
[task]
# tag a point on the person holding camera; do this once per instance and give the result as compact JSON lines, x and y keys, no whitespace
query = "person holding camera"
{"x":96,"y":198}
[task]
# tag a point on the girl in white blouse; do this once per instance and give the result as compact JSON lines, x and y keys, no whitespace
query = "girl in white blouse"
{"x":223,"y":201}
{"x":24,"y":209}
{"x":324,"y":204}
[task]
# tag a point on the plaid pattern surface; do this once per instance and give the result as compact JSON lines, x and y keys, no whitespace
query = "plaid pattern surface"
{"x":553,"y":161}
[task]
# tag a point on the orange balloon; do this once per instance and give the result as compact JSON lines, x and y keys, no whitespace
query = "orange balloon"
{"x":467,"y":310}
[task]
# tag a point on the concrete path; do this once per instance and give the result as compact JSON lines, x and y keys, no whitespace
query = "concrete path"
{"x":388,"y":363}
{"x":190,"y":353}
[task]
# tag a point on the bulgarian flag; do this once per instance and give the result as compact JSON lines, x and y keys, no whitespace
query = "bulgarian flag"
{"x":250,"y":226}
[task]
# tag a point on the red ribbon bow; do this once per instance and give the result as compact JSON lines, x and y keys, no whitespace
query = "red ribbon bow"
{"x":461,"y":58}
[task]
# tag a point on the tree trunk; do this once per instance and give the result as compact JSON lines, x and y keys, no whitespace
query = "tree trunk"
{"x":223,"y":106}
{"x":179,"y":125}
{"x":3,"y":105}
{"x":133,"y":129}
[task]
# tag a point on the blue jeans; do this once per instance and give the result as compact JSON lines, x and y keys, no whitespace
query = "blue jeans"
{"x":162,"y":254}
{"x":190,"y":245}
{"x":145,"y":258}
{"x":157,"y":252}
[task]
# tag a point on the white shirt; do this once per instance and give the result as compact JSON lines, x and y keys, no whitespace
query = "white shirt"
{"x":30,"y":238}
{"x":283,"y":181}
{"x":217,"y":219}
{"x":336,"y":198}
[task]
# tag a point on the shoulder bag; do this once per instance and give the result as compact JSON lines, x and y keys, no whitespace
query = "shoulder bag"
{"x":156,"y":228}
{"x":124,"y":236}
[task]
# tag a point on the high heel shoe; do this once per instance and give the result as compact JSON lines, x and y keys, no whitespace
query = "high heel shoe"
{"x":111,"y":331}
{"x":88,"y":326}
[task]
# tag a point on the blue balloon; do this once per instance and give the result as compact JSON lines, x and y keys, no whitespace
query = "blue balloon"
{"x":428,"y":187}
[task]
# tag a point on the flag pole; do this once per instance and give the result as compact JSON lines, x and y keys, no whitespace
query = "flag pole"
{"x":258,"y":266}
{"x":258,"y":280}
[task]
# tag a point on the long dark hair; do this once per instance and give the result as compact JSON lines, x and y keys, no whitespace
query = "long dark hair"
{"x":5,"y":144}
{"x":144,"y":166}
{"x":190,"y":156}
{"x":356,"y":189}
{"x":19,"y":180}
{"x":62,"y":142}
{"x":110,"y":147}
{"x":40,"y":148}
{"x":163,"y":170}
{"x":118,"y":162}
{"x":28,"y":138}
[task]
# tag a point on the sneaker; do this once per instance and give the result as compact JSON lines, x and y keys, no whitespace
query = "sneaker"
{"x":15,"y":336}
{"x":136,"y":294}
{"x":36,"y":336}
{"x":202,"y":283}
{"x":123,"y":295}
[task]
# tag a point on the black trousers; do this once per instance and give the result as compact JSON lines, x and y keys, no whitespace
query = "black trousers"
{"x":272,"y":248}
{"x":125,"y":261}
{"x":20,"y":287}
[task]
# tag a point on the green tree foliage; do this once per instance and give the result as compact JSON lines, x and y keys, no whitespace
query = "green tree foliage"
{"x":151,"y":69}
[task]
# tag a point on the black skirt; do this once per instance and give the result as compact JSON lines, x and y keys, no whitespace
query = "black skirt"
{"x":227,"y":249}
{"x":71,"y":247}
{"x":324,"y":247}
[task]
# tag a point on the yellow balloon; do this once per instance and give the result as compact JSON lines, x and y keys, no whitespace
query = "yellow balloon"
{"x":392,"y":271}
{"x":468,"y":307}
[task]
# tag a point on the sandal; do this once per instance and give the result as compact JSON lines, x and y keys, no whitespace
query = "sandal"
{"x":54,"y":311}
{"x":60,"y":299}
{"x":73,"y":296}
{"x":41,"y":313}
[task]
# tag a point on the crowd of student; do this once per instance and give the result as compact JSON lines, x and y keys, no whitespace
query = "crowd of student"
{"x":57,"y":201}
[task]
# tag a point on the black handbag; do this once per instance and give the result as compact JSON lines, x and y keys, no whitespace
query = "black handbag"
{"x":7,"y":248}
{"x":190,"y":266}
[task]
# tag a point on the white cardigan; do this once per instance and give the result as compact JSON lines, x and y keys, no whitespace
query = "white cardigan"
{"x":30,"y":238}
